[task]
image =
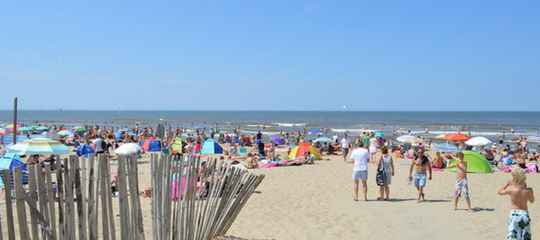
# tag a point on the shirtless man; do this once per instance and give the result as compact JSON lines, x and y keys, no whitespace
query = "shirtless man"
{"x":420,"y":163}
{"x":519,"y":225}
{"x":438,"y":161}
{"x":461,"y":180}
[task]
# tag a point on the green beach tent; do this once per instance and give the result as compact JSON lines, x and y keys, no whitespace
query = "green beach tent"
{"x":476,"y":163}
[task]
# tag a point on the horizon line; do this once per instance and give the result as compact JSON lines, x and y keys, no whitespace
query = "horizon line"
{"x":158,"y":110}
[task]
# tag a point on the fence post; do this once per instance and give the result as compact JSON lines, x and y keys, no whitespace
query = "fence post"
{"x":9,"y":206}
{"x":19,"y":196}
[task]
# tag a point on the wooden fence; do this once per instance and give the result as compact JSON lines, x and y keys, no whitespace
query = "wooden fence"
{"x":188,"y":199}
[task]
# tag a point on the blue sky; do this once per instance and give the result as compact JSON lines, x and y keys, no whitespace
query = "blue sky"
{"x":271,"y":55}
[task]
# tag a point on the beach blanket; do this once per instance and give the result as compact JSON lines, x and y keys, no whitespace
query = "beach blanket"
{"x":437,"y":169}
{"x":271,"y":165}
{"x":403,"y":164}
{"x":531,"y":168}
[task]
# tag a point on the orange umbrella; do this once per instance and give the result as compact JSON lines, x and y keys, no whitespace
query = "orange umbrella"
{"x":458,"y":137}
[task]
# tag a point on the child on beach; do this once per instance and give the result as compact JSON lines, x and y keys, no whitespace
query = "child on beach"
{"x":519,"y":223}
{"x":461,"y":180}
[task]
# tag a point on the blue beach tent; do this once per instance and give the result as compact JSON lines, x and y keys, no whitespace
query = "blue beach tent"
{"x":210,"y":146}
{"x":10,"y":161}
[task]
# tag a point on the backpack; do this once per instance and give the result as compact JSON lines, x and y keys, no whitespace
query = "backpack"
{"x":103,"y":145}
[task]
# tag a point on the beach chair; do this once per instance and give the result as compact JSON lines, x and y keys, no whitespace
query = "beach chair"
{"x":243,"y":151}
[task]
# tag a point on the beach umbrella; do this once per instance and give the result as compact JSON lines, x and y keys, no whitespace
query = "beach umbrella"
{"x":76,"y":127}
{"x":476,"y":163}
{"x":24,"y":129}
{"x":39,"y":146}
{"x":81,"y":130}
{"x":118,"y":133}
{"x":42,"y":128}
{"x":442,"y":136}
{"x":276,"y":140}
{"x":458,"y":137}
{"x":128,"y":148}
{"x":514,"y":139}
{"x":324,"y":139}
{"x":409,"y":139}
{"x":65,"y":133}
{"x":378,"y":134}
{"x":84,"y":149}
{"x":11,"y":126}
{"x":478,"y":141}
{"x":33,"y":127}
{"x":316,"y":131}
{"x":445,"y":147}
{"x":299,"y":151}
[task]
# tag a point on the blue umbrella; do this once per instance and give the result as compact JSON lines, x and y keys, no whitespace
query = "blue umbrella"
{"x":316,"y":131}
{"x":276,"y":140}
{"x":446,"y":147}
{"x":84,"y":150}
{"x":378,"y":134}
{"x":118,"y":133}
{"x":42,"y":128}
{"x":324,"y":139}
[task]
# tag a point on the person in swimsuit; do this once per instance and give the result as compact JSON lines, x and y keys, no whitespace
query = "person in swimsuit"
{"x":438,"y":161}
{"x":421,"y":164}
{"x":461,"y":180}
{"x":519,"y":223}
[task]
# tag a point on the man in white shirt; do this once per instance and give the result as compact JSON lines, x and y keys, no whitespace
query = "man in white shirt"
{"x":335,"y":138}
{"x":98,"y":145}
{"x":345,"y":146}
{"x":360,"y":159}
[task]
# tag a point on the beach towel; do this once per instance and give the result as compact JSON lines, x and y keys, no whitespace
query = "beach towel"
{"x":403,"y":164}
{"x":531,"y":168}
{"x":437,"y":169}
{"x":271,"y":165}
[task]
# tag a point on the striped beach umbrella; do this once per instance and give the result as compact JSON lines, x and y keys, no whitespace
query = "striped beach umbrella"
{"x":409,"y":139}
{"x":11,"y":126}
{"x":445,"y":147}
{"x":39,"y":146}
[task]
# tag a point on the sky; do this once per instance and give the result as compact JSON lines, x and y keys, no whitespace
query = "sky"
{"x":270,"y":55}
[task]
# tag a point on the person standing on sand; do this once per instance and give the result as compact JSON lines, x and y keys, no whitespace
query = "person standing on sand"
{"x":360,"y":159}
{"x":388,"y":165}
{"x":519,"y":223}
{"x":461,"y":180}
{"x":420,"y":163}
{"x":373,"y":146}
{"x":345,"y":146}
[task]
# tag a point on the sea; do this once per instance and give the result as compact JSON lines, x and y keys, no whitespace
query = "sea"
{"x":272,"y":123}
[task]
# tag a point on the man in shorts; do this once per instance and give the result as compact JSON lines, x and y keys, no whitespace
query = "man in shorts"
{"x":461,"y":180}
{"x":360,"y":159}
{"x":345,"y":146}
{"x":420,"y":163}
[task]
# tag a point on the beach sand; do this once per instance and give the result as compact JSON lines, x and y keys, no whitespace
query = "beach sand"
{"x":316,"y":202}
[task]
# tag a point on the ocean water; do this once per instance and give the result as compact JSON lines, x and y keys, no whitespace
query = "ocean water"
{"x":487,"y":124}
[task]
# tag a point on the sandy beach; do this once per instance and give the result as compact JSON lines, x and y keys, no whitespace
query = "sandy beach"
{"x":316,"y":202}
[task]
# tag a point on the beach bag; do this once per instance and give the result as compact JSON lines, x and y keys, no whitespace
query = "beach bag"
{"x":380,"y":178}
